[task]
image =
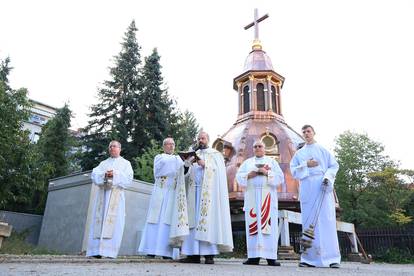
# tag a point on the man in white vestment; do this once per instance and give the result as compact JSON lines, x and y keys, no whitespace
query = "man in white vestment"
{"x":156,"y":233}
{"x":208,"y":206}
{"x":112,"y":176}
{"x":316,"y":169}
{"x":261,"y":175}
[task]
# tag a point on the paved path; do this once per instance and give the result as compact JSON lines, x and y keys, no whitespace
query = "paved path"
{"x":77,"y":265}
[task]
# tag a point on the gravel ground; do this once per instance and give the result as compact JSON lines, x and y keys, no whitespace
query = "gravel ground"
{"x":78,"y":265}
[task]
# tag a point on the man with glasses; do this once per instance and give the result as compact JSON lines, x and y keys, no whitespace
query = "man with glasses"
{"x":261,"y":175}
{"x":156,"y":233}
{"x":316,"y":168}
{"x":111,"y":177}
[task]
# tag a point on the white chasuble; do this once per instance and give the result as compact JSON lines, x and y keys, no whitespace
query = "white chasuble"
{"x":155,"y":239}
{"x":210,"y":224}
{"x":108,"y":222}
{"x":261,"y":207}
{"x":325,"y":247}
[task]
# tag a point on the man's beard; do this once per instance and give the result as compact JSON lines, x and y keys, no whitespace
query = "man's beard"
{"x":201,"y":146}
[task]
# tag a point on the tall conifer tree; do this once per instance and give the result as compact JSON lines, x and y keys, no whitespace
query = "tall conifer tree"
{"x":113,"y":116}
{"x":154,"y":105}
{"x":56,"y":141}
{"x":134,"y":107}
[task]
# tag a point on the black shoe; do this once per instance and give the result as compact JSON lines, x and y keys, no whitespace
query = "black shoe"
{"x":252,"y":261}
{"x":305,"y":265}
{"x":272,"y":262}
{"x":150,"y":256}
{"x":192,"y":259}
{"x":209,"y":259}
{"x":334,"y":265}
{"x":97,"y":256}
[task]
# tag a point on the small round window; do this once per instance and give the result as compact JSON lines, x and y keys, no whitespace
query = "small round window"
{"x":269,"y":142}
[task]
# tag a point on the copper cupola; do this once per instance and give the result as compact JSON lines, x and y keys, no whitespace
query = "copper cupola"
{"x":260,"y":117}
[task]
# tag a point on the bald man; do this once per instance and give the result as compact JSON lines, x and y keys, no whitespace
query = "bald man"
{"x":111,"y":177}
{"x":260,"y":175}
{"x":156,"y":234}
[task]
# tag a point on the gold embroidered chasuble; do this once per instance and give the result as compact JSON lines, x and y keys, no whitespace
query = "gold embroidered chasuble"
{"x":214,"y":223}
{"x":105,"y":221}
{"x":166,"y":168}
{"x":179,"y":220}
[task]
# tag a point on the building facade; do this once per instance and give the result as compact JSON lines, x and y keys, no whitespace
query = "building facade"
{"x":40,"y":114}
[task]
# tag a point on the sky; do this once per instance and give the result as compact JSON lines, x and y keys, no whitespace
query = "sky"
{"x":348,"y":65}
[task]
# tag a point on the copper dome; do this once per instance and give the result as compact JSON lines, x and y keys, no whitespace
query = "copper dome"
{"x":258,"y":60}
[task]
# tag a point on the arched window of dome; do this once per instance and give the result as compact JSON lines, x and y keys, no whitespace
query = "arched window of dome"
{"x":261,"y":106}
{"x":246,"y":99}
{"x":273,"y":99}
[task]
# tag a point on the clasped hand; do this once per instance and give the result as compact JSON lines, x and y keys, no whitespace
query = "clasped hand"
{"x":108,"y":180}
{"x":109,"y":174}
{"x":312,"y":163}
{"x":260,"y":171}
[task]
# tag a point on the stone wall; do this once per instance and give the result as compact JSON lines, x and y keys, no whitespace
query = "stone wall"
{"x":23,"y":222}
{"x":68,"y":214}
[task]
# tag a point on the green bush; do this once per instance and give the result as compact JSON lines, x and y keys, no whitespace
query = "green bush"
{"x":395,"y":255}
{"x":16,"y":245}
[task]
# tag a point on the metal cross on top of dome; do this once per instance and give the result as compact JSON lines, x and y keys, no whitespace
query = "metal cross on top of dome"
{"x":256,"y":42}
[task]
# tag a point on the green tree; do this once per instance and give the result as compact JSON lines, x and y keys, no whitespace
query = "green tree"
{"x":359,"y":156}
{"x":112,"y":117}
{"x":408,"y":175}
{"x":160,"y":117}
{"x":154,"y":106}
{"x":185,"y":130}
{"x":56,"y":150}
{"x":145,"y":162}
{"x":390,"y":195}
{"x":21,"y":174}
{"x":135,"y":108}
{"x":4,"y":72}
{"x":56,"y":142}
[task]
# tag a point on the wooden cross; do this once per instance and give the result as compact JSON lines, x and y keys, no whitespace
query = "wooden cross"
{"x":255,"y":23}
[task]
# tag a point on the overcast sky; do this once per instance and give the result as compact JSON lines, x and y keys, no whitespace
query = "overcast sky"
{"x":348,"y":64}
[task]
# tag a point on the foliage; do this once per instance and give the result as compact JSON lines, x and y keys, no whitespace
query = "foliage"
{"x":145,"y":162}
{"x":16,"y":245}
{"x":22,"y":173}
{"x":394,"y":255}
{"x":399,"y":217}
{"x":135,"y":108}
{"x":391,"y":194}
{"x":367,"y":184}
{"x":186,"y":130}
{"x":56,"y":142}
{"x":155,"y":106}
{"x":409,"y":205}
{"x":112,"y":117}
{"x":26,"y":167}
{"x":55,"y":147}
{"x":4,"y":72}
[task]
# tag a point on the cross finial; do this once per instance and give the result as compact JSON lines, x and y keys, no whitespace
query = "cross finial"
{"x":256,"y":42}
